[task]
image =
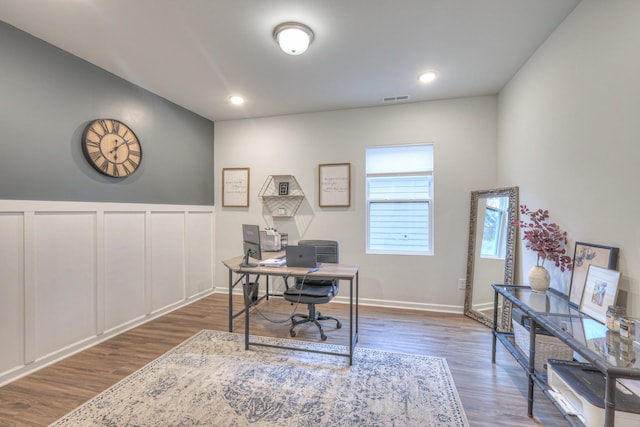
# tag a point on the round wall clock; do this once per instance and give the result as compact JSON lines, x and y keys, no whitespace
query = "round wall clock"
{"x":111,"y":147}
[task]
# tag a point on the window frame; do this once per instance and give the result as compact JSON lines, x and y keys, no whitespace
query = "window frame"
{"x":501,"y":231}
{"x":498,"y":253}
{"x":429,"y":200}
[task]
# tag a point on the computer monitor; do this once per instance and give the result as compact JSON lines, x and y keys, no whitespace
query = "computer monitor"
{"x":250,"y":244}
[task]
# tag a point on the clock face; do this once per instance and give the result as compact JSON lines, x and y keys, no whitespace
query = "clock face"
{"x":111,"y":147}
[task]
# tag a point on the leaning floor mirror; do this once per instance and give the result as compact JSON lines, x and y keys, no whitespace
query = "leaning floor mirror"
{"x":491,"y":251}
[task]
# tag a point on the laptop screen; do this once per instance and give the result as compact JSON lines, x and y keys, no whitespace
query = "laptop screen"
{"x":301,"y":256}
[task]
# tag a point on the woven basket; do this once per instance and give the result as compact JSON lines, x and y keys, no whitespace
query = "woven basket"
{"x":547,"y":347}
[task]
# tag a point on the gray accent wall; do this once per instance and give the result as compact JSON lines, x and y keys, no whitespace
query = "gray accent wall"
{"x":48,"y":96}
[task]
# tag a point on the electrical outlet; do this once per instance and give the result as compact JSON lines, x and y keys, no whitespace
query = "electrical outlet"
{"x":462,"y":284}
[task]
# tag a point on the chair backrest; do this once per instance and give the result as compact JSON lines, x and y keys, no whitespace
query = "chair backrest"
{"x":326,"y":250}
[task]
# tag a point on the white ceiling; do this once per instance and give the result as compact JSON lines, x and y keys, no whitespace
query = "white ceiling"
{"x":198,"y":52}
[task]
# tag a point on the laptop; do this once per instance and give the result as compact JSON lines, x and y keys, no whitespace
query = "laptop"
{"x":301,"y":256}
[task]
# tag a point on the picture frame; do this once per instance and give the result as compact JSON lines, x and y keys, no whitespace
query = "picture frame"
{"x":235,"y":187}
{"x":600,"y":291}
{"x":586,"y":254}
{"x":283,"y":188}
{"x":334,"y":185}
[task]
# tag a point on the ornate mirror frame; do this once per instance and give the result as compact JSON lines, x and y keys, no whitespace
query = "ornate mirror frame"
{"x":510,"y":232}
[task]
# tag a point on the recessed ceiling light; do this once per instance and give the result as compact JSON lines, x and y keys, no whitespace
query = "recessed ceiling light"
{"x":236,"y":100}
{"x":428,"y":76}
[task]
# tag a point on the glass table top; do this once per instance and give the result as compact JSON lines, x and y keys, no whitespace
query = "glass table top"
{"x":597,"y":338}
{"x":554,"y":312}
{"x":551,"y":301}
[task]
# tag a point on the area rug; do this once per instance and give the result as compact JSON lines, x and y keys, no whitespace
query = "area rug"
{"x":211,"y":380}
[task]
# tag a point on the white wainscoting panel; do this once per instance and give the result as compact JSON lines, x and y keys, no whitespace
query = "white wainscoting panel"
{"x":64,"y":280}
{"x":167,"y":258}
{"x":201,"y":253}
{"x":124,"y":272}
{"x":11,"y":290}
{"x":73,"y":274}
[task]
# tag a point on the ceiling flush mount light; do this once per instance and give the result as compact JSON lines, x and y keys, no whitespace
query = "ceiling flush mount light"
{"x":236,"y":100}
{"x":294,"y":38}
{"x":428,"y":76}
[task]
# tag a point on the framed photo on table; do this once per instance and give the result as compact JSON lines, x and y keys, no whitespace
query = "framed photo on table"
{"x":334,"y":181}
{"x":600,"y":291}
{"x":235,"y":187}
{"x":587,"y":254}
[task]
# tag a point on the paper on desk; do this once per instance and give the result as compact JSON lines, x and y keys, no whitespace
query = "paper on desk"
{"x":273,"y":262}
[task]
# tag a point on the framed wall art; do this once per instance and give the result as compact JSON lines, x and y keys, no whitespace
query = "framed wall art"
{"x":334,"y":183}
{"x":587,"y":254}
{"x":283,"y":188}
{"x":600,"y":291}
{"x":235,"y":187}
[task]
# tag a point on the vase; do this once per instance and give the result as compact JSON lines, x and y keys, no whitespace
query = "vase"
{"x":539,"y":278}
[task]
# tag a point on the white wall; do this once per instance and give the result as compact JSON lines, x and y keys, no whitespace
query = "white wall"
{"x":464,"y":134}
{"x":569,"y":134}
{"x":76,"y":273}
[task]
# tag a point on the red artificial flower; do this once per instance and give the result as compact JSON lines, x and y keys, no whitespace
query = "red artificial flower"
{"x":544,"y":238}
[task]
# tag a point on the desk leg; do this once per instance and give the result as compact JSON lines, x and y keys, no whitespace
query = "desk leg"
{"x":353,"y":328}
{"x":247,"y":304}
{"x":230,"y":300}
{"x":351,"y":342}
{"x":357,"y":302}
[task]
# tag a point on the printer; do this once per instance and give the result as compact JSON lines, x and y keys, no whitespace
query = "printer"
{"x":270,"y":240}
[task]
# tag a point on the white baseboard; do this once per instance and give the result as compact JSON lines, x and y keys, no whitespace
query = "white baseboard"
{"x":48,"y":360}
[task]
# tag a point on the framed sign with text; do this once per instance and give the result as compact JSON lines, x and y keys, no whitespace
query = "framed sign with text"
{"x":235,"y":187}
{"x":334,"y":181}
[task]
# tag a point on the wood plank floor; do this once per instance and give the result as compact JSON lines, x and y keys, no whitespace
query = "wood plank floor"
{"x":492,"y":395}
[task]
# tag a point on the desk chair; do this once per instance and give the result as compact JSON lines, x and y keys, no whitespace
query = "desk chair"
{"x":312,"y":291}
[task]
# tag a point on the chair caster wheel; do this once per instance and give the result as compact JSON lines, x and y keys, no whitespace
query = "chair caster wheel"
{"x":323,"y":337}
{"x":292,"y":333}
{"x":338,"y":325}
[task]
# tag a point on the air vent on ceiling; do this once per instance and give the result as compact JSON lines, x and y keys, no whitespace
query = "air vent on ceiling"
{"x":395,"y":98}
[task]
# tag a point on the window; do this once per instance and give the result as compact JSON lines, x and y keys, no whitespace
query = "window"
{"x":400,"y":199}
{"x":493,"y":245}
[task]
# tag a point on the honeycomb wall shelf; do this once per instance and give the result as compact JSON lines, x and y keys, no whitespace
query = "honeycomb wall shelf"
{"x":281,"y":195}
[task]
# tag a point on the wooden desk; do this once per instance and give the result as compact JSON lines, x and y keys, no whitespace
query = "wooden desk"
{"x":234,"y":264}
{"x":344,"y":272}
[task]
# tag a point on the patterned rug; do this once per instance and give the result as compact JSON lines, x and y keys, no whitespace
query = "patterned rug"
{"x":210,"y":380}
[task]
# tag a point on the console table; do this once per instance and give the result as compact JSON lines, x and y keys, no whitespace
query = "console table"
{"x":552,"y":311}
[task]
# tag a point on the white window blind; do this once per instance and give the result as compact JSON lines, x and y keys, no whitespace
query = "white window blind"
{"x":399,"y":199}
{"x":400,"y":158}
